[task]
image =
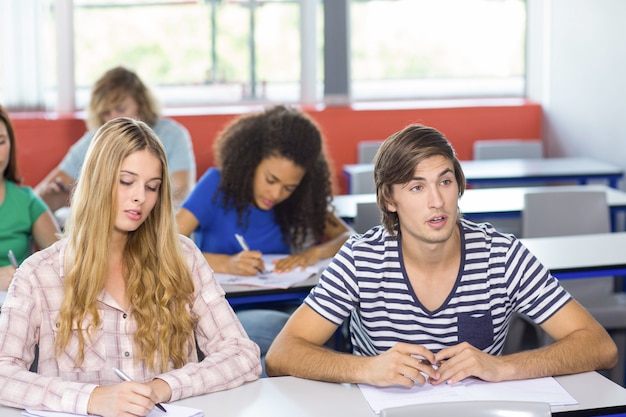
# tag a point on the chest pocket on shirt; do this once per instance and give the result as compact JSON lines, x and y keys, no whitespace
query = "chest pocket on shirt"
{"x":476,"y":328}
{"x":94,"y":348}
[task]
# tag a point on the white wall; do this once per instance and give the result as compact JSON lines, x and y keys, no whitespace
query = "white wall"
{"x":579,"y":76}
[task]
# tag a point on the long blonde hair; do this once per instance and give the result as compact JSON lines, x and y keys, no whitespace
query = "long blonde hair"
{"x":158,"y":280}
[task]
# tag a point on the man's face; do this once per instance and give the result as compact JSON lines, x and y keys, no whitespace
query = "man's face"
{"x":427,"y":206}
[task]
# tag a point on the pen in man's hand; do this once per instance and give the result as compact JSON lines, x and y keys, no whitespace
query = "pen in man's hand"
{"x":244,"y":245}
{"x":12,"y":259}
{"x":125,"y":377}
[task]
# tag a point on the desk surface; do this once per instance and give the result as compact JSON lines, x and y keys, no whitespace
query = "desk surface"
{"x":543,"y":168}
{"x":289,"y":396}
{"x":239,"y":295}
{"x":581,"y":255}
{"x":486,"y":201}
{"x":540,"y":170}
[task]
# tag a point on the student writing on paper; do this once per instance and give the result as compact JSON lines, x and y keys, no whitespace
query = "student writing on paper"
{"x":430,"y":295}
{"x":121,"y":290}
{"x":24,"y":218}
{"x":272,"y":185}
{"x":119,"y":92}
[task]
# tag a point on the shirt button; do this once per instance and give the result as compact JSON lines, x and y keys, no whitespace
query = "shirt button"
{"x":127,"y":354}
{"x":124,"y":315}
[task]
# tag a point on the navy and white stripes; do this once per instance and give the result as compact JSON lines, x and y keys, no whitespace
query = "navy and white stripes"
{"x":366,"y":281}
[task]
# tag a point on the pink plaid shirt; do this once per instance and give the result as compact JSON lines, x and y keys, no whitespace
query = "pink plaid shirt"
{"x":29,"y":316}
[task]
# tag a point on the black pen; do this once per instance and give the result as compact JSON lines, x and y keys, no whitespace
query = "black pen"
{"x":125,"y":377}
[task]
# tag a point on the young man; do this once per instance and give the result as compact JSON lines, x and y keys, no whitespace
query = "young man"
{"x":430,"y":295}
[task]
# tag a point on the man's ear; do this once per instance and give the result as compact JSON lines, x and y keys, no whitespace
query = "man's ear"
{"x":390,"y":207}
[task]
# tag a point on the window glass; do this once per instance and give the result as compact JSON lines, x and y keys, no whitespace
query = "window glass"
{"x":426,"y":48}
{"x":201,"y":51}
{"x":193,"y":51}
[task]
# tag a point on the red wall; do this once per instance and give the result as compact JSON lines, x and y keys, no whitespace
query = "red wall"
{"x":43,"y":139}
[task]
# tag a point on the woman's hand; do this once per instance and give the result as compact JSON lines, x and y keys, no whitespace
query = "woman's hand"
{"x":248,"y":262}
{"x":6,"y":276}
{"x":126,"y":399}
{"x":303,"y":259}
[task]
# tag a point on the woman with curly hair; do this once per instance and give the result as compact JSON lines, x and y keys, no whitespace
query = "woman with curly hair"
{"x":121,"y":290}
{"x":272,"y":185}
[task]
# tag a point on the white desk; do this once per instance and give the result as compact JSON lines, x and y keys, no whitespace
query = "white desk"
{"x":499,"y":171}
{"x":581,"y":170}
{"x":289,"y":397}
{"x":238,"y":295}
{"x":492,"y":202}
{"x":581,"y":256}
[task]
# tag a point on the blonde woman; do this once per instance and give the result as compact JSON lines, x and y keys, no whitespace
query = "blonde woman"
{"x":121,"y":290}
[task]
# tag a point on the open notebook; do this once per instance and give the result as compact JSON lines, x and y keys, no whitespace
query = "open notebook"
{"x":173,"y":410}
{"x":270,"y":279}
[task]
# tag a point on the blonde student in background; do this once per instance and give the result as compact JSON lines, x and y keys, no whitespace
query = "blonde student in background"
{"x":121,"y":93}
{"x":122,"y":290}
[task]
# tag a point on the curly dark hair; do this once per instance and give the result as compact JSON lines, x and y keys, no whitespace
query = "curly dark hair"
{"x":283,"y":132}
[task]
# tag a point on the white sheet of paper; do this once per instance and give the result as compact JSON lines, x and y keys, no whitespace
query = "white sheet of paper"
{"x":272,"y":279}
{"x":546,"y":390}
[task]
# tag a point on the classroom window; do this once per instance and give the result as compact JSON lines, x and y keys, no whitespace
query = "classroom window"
{"x":434,"y":49}
{"x":194,"y":52}
{"x":203,"y":52}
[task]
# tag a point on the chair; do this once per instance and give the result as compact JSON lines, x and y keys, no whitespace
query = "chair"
{"x":367,"y":216}
{"x":367,"y":151}
{"x":575,"y":213}
{"x":508,"y":148}
{"x":362,"y":182}
{"x":471,"y":409}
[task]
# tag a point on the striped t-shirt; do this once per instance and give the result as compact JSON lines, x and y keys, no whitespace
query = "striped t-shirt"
{"x":367,"y":282}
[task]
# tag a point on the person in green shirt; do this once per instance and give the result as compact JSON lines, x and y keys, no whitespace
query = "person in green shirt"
{"x":24,"y":218}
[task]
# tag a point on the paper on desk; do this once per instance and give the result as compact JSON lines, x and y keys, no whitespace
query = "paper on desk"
{"x":173,"y":410}
{"x":272,"y":279}
{"x":546,"y":390}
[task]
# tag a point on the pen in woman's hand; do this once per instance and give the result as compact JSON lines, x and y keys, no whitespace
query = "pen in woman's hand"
{"x":125,"y":377}
{"x":244,"y":245}
{"x":12,"y":259}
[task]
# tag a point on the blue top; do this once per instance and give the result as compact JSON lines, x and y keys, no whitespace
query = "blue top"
{"x":174,"y":137}
{"x":216,"y":232}
{"x":497,"y":276}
